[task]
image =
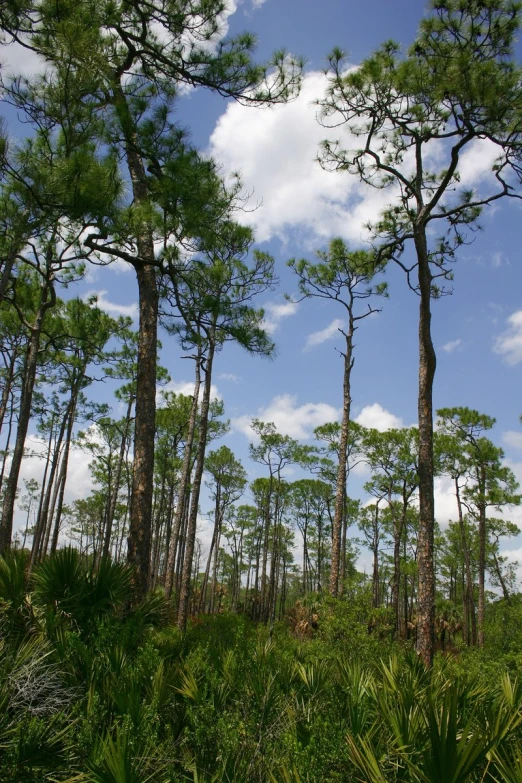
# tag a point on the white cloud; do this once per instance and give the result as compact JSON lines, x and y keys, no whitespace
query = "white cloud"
{"x":445,"y":501}
{"x":112,"y":308}
{"x":229,"y":376}
{"x":477,"y":161}
{"x":509,"y":343}
{"x":275,"y":149}
{"x":513,"y":438}
{"x":16,"y":60}
{"x":317,"y":338}
{"x":79,"y":480}
{"x":452,"y":345}
{"x":187,"y":388}
{"x":298,"y":421}
{"x":378,"y":418}
{"x":275,"y":312}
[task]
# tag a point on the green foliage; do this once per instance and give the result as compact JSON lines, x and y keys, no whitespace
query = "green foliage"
{"x":13,"y":578}
{"x":66,"y":583}
{"x":126,"y":698}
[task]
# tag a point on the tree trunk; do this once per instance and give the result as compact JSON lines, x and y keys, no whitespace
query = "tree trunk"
{"x":266,"y":541}
{"x":342,"y":572}
{"x":139,"y":541}
{"x":396,"y":575}
{"x":183,"y":482}
{"x":204,"y":584}
{"x":26,"y":396}
{"x":65,"y":460}
{"x":482,"y":556}
{"x":193,"y":516}
{"x":7,"y":441}
{"x":340,"y":490}
{"x":427,"y":365}
{"x":117,"y":480}
{"x":63,"y":478}
{"x":501,"y":579}
{"x":43,"y":511}
{"x":8,"y":384}
{"x":213,"y":589}
{"x":469,"y":603}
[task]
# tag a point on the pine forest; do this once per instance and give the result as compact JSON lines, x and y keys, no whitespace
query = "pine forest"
{"x":337,"y":597}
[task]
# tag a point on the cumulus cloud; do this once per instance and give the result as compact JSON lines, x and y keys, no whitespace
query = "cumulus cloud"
{"x":477,"y":161}
{"x":79,"y":480}
{"x":317,"y":338}
{"x":452,"y":345}
{"x":16,"y":60}
{"x":378,"y":418}
{"x":445,"y":501}
{"x":113,"y":308}
{"x":275,"y":312}
{"x":513,"y":438}
{"x":289,"y":418}
{"x":275,"y":149}
{"x":509,"y":343}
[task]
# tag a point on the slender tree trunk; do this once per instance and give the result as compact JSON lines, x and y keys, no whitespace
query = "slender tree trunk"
{"x":213,"y":590}
{"x":266,"y":542}
{"x":425,"y":545}
{"x":469,"y":603}
{"x":274,"y":560}
{"x":46,"y":534}
{"x":117,"y":479}
{"x":256,"y":603}
{"x":213,"y":546}
{"x":48,"y":299}
{"x":42,"y":519}
{"x":37,"y":527}
{"x":305,"y":554}
{"x":342,"y":573}
{"x":7,"y":442}
{"x":168,"y":530}
{"x":247,"y":586}
{"x":501,"y":579}
{"x":375,"y":579}
{"x":396,"y":574}
{"x":193,"y":516}
{"x":158,"y":530}
{"x":482,"y":557}
{"x":65,"y":464}
{"x":340,"y":490}
{"x":59,"y":501}
{"x":62,"y":479}
{"x":184,"y":481}
{"x":239,"y":573}
{"x":182,"y":543}
{"x":8,"y":384}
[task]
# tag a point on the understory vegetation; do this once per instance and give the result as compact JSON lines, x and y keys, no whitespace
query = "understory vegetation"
{"x":93,"y":691}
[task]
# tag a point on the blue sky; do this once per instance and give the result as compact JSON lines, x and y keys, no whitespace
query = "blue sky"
{"x":477,"y":330}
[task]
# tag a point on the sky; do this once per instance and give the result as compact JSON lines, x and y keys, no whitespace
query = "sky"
{"x":295,"y":208}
